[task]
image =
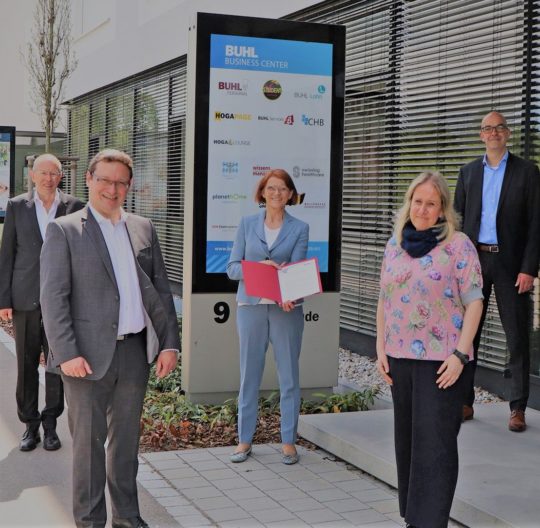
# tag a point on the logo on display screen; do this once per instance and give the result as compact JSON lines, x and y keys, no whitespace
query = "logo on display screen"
{"x":313,"y":95}
{"x":229,"y":198}
{"x":260,"y":170}
{"x":269,"y":118}
{"x":289,"y":120}
{"x":220,"y":116}
{"x":240,"y":51}
{"x":233,"y":88}
{"x":315,"y":205}
{"x":307,"y":172}
{"x":312,"y":121}
{"x":272,"y":90}
{"x":233,"y":142}
{"x":229,"y":168}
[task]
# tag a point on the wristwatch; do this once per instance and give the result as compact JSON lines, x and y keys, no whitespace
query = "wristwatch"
{"x":464,"y":358}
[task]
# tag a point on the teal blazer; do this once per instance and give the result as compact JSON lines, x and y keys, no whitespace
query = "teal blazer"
{"x":250,"y":244}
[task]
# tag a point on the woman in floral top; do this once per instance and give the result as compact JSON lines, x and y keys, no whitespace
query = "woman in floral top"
{"x":429,"y":309}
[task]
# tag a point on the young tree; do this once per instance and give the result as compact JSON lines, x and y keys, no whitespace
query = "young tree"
{"x":50,"y":61}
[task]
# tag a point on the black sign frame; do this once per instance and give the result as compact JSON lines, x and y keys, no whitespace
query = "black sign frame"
{"x":208,"y":24}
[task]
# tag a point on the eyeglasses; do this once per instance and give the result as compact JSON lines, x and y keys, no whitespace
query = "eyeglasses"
{"x":118,"y":184}
{"x":52,"y":174}
{"x":280,"y":190}
{"x":489,"y":129}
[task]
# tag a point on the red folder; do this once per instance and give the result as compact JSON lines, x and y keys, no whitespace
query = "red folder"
{"x":262,"y":280}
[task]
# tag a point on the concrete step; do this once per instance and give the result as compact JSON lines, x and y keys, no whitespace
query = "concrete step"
{"x":499,"y":480}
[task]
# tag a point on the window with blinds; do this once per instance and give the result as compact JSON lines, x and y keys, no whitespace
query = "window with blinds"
{"x":531,"y":141}
{"x":144,"y":116}
{"x":420,"y":75}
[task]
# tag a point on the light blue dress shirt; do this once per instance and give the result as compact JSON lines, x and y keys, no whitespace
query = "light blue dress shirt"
{"x":491,"y":192}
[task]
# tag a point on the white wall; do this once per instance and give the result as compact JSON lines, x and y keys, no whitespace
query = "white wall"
{"x":118,"y":38}
{"x":15,"y":101}
{"x":113,"y":39}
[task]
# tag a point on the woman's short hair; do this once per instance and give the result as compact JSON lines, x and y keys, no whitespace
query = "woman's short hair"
{"x":449,"y":222}
{"x":110,"y":155}
{"x":282,"y":175}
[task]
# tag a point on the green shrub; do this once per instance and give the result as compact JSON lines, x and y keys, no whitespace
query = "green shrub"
{"x":336,"y":403}
{"x":170,"y":383}
{"x":171,"y":406}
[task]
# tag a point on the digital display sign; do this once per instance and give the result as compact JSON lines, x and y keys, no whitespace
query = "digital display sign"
{"x":270,"y":107}
{"x":7,"y":165}
{"x":269,"y":95}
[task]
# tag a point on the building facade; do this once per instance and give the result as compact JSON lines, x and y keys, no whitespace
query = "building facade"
{"x":419,"y":77}
{"x":17,"y":104}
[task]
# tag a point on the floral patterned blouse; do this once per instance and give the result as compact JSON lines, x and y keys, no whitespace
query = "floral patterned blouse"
{"x":424,"y":298}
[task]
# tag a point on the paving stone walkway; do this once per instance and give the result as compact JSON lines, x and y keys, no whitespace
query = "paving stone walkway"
{"x":202,"y":488}
{"x":191,"y":488}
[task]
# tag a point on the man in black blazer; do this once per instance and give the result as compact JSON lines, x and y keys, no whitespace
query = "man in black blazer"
{"x":498,"y":197}
{"x":27,"y":216}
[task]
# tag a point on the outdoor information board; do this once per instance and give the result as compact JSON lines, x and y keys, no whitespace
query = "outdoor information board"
{"x":7,"y":166}
{"x":262,"y":94}
{"x":269,"y":94}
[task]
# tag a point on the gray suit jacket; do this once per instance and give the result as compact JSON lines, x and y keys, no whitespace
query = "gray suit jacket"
{"x":79,"y":295}
{"x":20,"y":249}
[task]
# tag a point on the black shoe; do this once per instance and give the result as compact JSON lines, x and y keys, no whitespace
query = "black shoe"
{"x":51,"y":442}
{"x":30,"y":438}
{"x":132,"y":522}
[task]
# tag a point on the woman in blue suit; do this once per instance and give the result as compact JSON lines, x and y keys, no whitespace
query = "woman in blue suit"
{"x":272,"y":237}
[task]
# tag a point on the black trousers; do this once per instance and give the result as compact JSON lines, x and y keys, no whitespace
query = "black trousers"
{"x":426,"y":425}
{"x":514,"y":310}
{"x":30,"y":341}
{"x":108,"y":408}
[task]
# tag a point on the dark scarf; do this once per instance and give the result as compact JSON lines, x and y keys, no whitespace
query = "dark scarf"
{"x":419,"y":243}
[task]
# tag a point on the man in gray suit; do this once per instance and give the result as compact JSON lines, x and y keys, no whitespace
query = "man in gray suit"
{"x":27,"y":216}
{"x":108,"y":312}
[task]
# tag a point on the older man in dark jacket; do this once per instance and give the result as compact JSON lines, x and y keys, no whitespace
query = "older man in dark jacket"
{"x":27,"y":216}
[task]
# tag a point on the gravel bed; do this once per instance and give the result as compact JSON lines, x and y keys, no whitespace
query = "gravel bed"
{"x":7,"y":327}
{"x":361,"y":370}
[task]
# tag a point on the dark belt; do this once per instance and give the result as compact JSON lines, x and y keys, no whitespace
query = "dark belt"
{"x":488,"y":248}
{"x":129,"y":336}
